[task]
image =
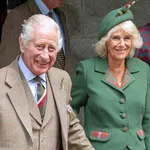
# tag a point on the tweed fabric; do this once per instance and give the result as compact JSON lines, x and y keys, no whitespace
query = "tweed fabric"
{"x":21,"y":126}
{"x":62,"y":58}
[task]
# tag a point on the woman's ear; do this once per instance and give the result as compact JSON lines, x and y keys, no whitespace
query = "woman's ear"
{"x":22,"y":46}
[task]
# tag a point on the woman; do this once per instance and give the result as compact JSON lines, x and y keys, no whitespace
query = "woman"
{"x":114,"y":88}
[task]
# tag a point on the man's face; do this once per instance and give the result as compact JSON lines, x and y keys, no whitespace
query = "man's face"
{"x":40,"y":53}
{"x":51,"y":4}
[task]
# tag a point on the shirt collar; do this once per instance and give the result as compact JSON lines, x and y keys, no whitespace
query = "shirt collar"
{"x":27,"y":73}
{"x":43,"y":8}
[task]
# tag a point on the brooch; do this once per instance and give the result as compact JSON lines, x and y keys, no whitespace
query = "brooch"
{"x":61,"y":86}
{"x":69,"y":109}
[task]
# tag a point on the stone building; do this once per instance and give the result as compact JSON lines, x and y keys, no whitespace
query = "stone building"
{"x":84,"y":17}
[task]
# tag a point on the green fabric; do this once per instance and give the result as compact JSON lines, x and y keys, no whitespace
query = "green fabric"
{"x":104,"y":104}
{"x":111,"y":20}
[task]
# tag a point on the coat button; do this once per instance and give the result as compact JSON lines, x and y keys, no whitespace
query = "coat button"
{"x":124,"y":129}
{"x":122,"y":101}
{"x":123,"y":115}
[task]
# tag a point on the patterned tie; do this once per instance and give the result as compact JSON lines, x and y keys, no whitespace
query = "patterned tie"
{"x":42,"y":96}
{"x":61,"y":57}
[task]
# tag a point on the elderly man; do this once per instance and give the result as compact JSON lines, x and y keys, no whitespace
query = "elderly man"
{"x":34,"y":110}
{"x":9,"y":47}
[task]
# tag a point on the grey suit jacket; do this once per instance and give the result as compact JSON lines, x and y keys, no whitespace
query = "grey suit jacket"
{"x":9,"y":47}
{"x":16,"y":131}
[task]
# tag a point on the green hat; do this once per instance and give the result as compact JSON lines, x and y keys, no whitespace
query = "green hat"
{"x":114,"y":18}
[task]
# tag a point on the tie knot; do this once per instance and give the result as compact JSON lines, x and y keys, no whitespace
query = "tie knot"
{"x":50,"y":14}
{"x":37,"y":79}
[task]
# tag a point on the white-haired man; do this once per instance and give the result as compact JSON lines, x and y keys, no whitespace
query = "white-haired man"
{"x":34,"y":110}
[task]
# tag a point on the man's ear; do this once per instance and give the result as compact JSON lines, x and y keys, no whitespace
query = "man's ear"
{"x":22,"y":46}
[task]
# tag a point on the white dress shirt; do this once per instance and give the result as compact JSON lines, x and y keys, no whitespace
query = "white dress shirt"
{"x":29,"y":76}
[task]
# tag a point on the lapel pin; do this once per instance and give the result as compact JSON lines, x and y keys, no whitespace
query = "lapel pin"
{"x":69,"y":109}
{"x":61,"y":86}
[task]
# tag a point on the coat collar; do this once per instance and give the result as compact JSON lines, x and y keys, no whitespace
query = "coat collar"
{"x":13,"y":77}
{"x":33,"y":7}
{"x":60,"y":98}
{"x":101,"y":65}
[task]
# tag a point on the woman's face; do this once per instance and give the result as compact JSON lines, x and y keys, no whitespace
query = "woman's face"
{"x":119,"y":45}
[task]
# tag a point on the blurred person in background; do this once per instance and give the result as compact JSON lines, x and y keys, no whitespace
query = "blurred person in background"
{"x":9,"y":47}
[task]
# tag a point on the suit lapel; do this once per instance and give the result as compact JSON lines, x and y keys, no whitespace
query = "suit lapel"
{"x":50,"y":104}
{"x":101,"y":66}
{"x":62,"y":16}
{"x":62,"y":22}
{"x":64,"y":26}
{"x":33,"y":108}
{"x":17,"y":96}
{"x":111,"y":80}
{"x":132,"y":68}
{"x":33,"y":7}
{"x":60,"y":99}
{"x":128,"y":79}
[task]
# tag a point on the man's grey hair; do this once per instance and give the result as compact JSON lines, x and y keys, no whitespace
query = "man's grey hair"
{"x":41,"y":21}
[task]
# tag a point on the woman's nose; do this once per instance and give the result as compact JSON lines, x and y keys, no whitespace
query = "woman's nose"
{"x":122,"y":42}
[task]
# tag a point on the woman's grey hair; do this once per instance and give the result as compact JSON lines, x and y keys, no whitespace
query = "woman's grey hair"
{"x":127,"y":26}
{"x":39,"y":20}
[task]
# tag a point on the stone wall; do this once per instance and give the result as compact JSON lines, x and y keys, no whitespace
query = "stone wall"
{"x":84,"y":17}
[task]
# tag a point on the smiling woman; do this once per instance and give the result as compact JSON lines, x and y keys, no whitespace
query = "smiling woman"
{"x":118,"y":44}
{"x":114,"y":87}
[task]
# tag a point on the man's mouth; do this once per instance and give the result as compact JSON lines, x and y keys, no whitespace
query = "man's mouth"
{"x":42,"y":63}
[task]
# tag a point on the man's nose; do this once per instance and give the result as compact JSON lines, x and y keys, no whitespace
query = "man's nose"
{"x":45,"y":54}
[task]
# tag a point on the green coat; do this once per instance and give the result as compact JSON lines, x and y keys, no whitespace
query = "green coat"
{"x":114,"y":118}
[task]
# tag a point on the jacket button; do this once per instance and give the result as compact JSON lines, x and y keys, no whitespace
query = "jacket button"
{"x":123,"y":115}
{"x":122,"y":101}
{"x":124,"y":129}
